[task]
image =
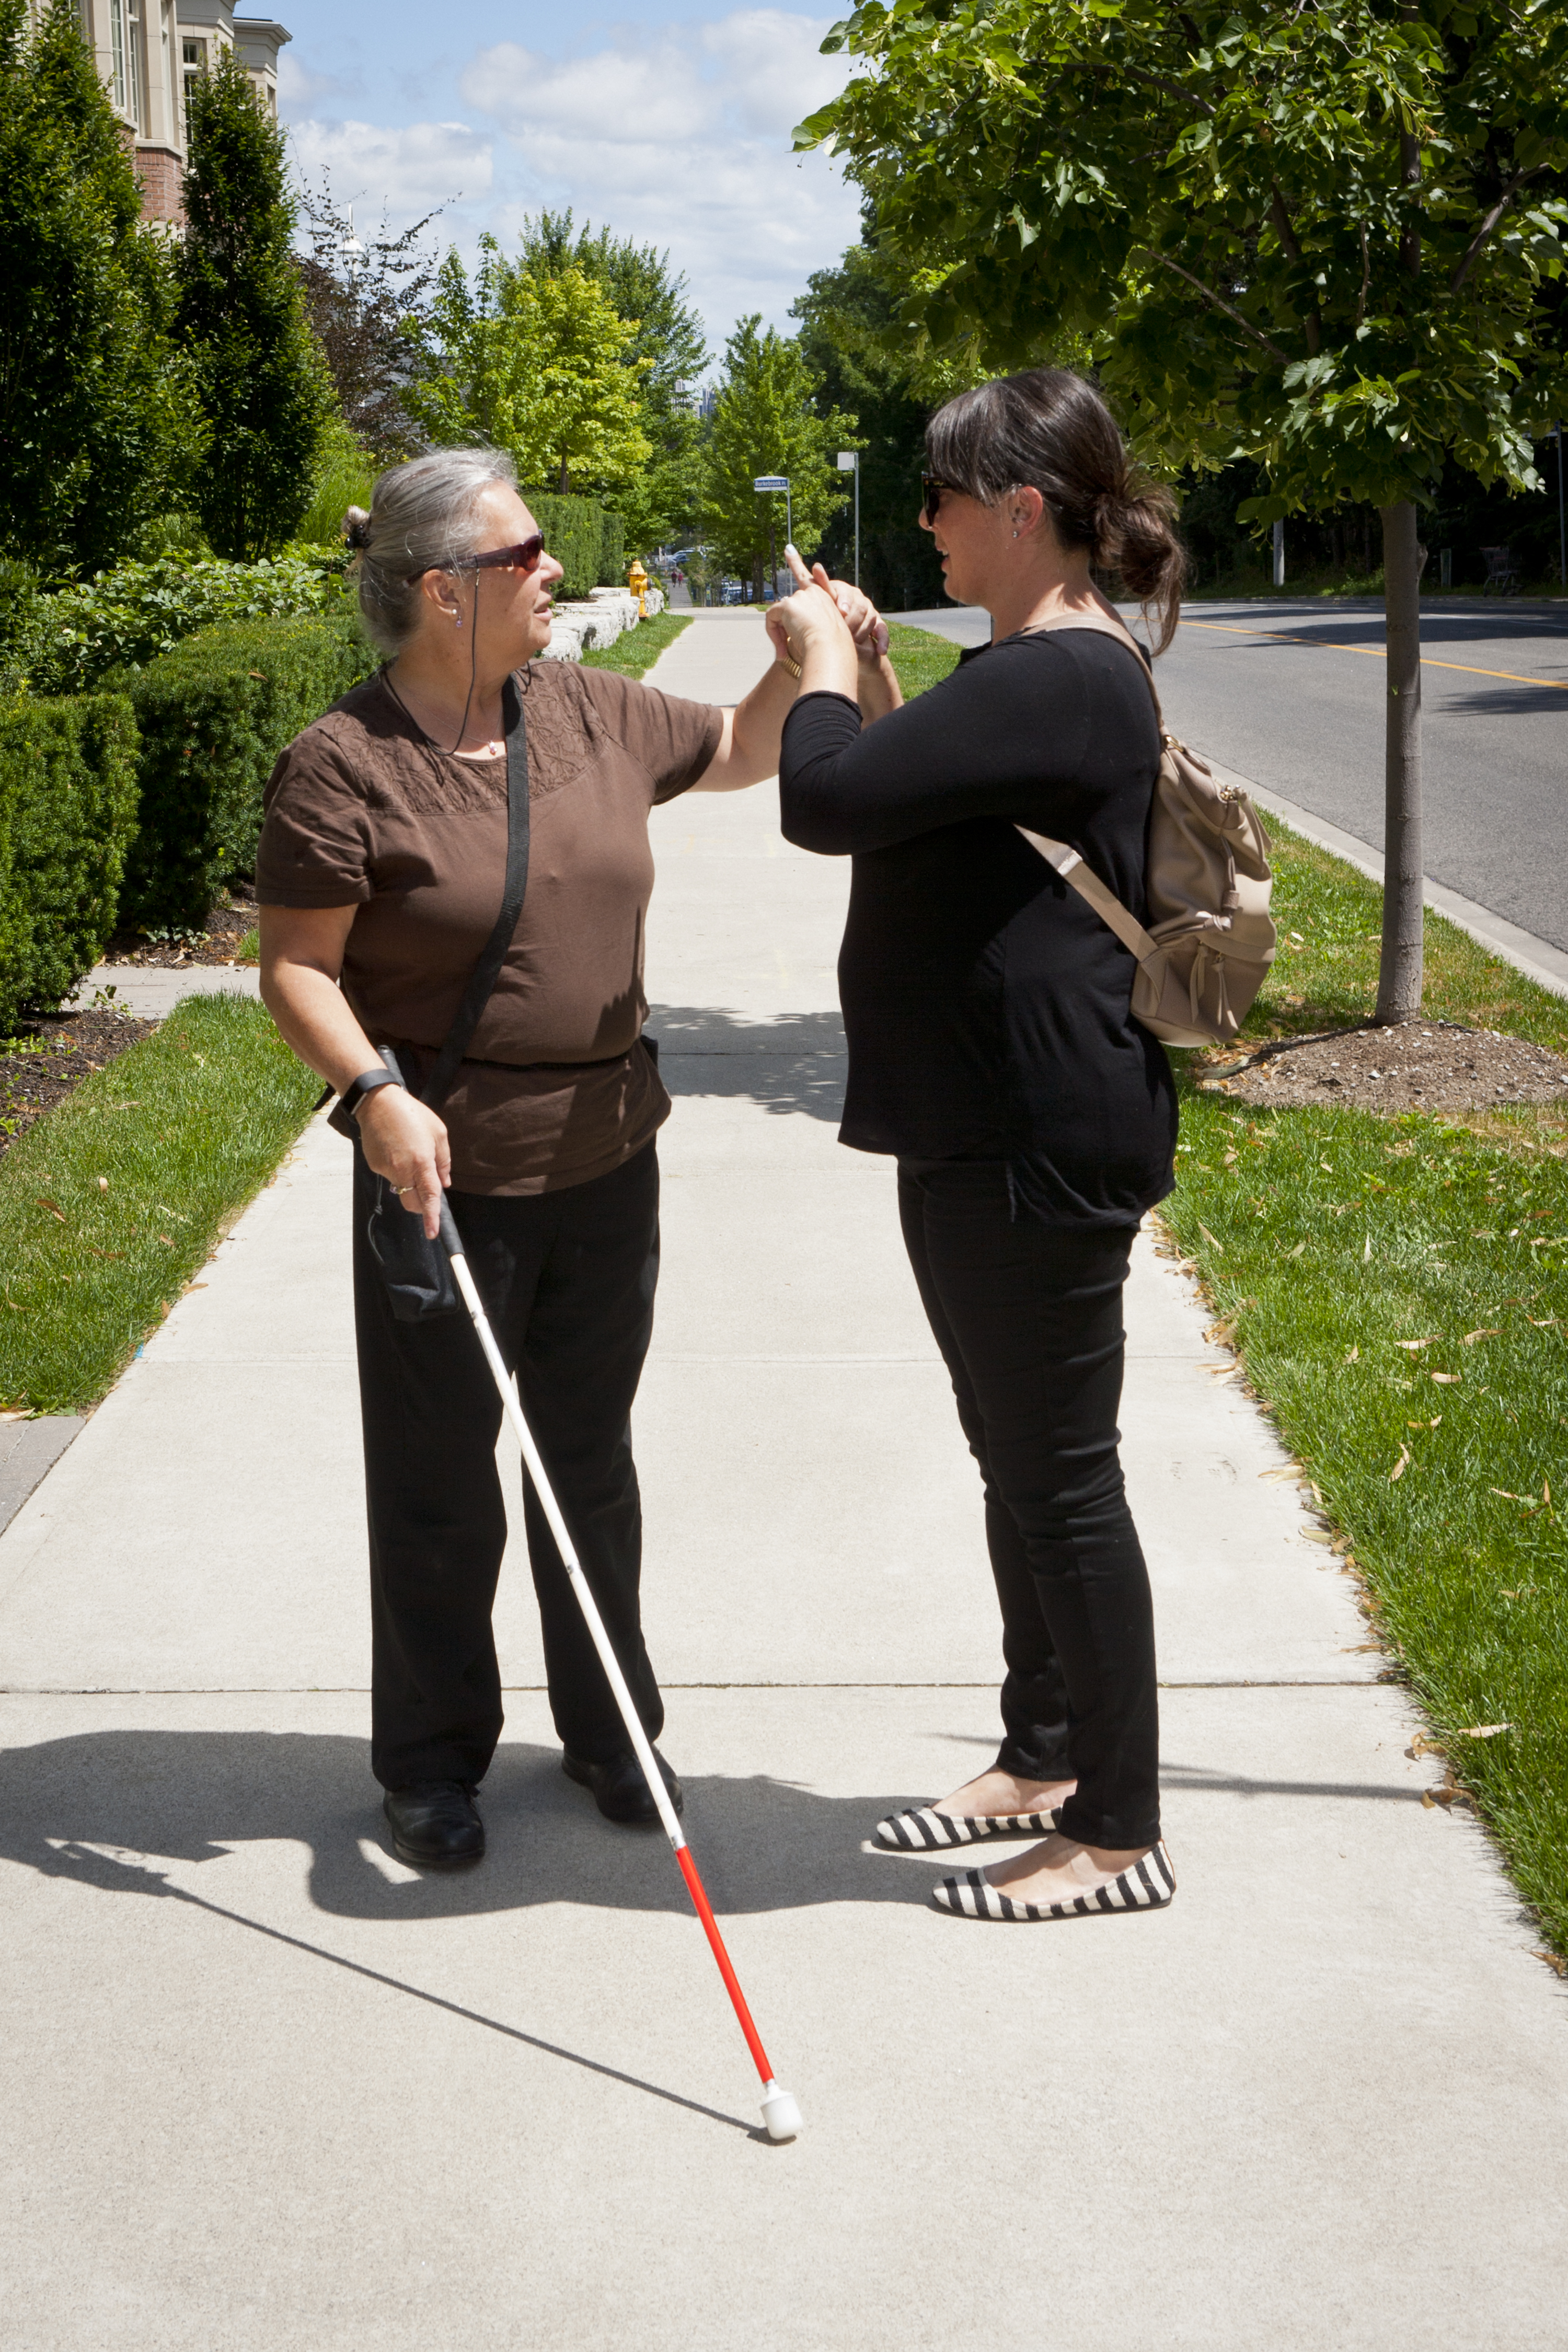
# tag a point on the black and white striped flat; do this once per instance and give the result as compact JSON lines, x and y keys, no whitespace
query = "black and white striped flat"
{"x":921,"y":1830}
{"x":1147,"y":1885}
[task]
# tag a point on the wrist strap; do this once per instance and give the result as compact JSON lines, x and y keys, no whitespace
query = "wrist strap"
{"x":354,"y":1093}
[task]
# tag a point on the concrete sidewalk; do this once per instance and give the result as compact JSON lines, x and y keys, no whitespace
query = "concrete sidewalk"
{"x":266,"y":2088}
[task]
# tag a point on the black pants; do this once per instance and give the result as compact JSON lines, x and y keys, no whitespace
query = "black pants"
{"x":568,"y":1282}
{"x":1028,"y":1320}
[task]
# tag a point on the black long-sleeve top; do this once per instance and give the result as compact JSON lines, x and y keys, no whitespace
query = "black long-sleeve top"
{"x":987,"y":1005}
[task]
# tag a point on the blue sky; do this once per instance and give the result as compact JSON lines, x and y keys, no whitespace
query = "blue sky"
{"x":675,"y":128}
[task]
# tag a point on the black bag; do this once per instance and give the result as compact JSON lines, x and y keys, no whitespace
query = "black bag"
{"x":417,"y":1271}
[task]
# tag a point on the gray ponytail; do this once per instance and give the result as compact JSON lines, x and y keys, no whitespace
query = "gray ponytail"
{"x":421,"y":514}
{"x":1049,"y":430}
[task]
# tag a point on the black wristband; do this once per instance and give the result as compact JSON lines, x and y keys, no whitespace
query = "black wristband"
{"x":343,"y":1118}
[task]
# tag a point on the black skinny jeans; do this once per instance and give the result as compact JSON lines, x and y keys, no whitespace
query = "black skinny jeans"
{"x":568,"y":1283}
{"x":1028,"y":1320}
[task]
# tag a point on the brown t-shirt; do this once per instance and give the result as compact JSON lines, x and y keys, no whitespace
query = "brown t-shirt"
{"x":362,"y":809}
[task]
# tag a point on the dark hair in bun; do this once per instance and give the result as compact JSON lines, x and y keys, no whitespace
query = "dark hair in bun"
{"x":1049,"y":430}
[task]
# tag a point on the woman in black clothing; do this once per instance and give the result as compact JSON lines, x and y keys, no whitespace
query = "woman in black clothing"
{"x":992,"y":1050}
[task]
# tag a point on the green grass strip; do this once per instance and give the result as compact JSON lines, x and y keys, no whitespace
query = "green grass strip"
{"x":637,"y":649}
{"x":1398,"y":1291}
{"x":112,"y":1203}
{"x":919,"y":660}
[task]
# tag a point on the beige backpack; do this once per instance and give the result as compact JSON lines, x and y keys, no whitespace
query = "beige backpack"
{"x":1211,"y":938}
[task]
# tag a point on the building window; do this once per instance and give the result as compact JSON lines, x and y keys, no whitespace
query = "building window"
{"x":194,"y":58}
{"x":117,"y":54}
{"x":134,"y":76}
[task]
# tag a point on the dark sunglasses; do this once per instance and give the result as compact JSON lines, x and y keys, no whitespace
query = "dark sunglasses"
{"x":524,"y":558}
{"x":931,"y":488}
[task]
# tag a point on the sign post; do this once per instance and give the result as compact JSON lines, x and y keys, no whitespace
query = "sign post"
{"x":772,"y":484}
{"x":849,"y":463}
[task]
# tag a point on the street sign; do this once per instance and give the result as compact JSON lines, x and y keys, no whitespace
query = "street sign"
{"x":770,"y":482}
{"x":847,"y":461}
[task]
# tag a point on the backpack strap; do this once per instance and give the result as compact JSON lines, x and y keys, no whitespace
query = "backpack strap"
{"x":1083,"y":878}
{"x":1066,"y":861}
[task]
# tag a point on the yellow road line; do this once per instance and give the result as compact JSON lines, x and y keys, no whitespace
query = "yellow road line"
{"x":1375,"y":653}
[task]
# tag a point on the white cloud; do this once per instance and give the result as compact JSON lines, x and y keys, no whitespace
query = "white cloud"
{"x":297,"y":86}
{"x":678,"y":135}
{"x":681,"y":138}
{"x":408,"y":170}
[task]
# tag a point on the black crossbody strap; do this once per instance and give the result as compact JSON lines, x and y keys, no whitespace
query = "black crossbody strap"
{"x":486,"y":973}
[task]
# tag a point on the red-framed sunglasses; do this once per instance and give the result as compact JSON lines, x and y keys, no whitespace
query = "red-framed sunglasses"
{"x":525,"y":558}
{"x":931,"y":488}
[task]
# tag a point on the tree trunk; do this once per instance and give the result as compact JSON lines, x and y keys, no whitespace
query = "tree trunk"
{"x":1399,"y":972}
{"x":564,"y":491}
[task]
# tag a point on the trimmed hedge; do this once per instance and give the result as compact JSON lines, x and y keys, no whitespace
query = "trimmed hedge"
{"x":68,"y":816}
{"x":612,"y":552}
{"x":127,"y":617}
{"x":586,"y":541}
{"x":213,"y":714}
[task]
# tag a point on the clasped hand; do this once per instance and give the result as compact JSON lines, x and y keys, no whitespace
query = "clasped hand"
{"x":823,"y":607}
{"x":408,"y":1145}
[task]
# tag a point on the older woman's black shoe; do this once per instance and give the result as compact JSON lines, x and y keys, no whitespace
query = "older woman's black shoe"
{"x":435,"y":1824}
{"x":620,"y":1788}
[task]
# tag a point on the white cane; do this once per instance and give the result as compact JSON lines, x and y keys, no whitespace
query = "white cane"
{"x":780,"y":2113}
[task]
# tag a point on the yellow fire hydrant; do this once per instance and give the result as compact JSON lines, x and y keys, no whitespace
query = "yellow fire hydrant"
{"x":636,"y":581}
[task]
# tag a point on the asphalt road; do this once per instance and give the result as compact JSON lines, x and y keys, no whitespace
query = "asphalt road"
{"x":1291,"y":695}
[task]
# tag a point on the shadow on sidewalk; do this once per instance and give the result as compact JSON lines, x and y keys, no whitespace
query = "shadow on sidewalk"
{"x":106,"y":1808}
{"x":794,"y":1064}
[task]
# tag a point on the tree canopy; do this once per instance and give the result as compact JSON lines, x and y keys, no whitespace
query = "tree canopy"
{"x":668,"y":343}
{"x":98,"y":428}
{"x":1325,"y":237}
{"x":765,"y":422}
{"x":540,"y":364}
{"x":847,"y":316}
{"x":361,"y":308}
{"x":263,"y":382}
{"x":1318,"y":236}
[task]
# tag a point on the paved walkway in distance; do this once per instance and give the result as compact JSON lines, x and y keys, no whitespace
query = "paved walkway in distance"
{"x":267,"y":2089}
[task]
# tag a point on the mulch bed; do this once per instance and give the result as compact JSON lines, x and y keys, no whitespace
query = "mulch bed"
{"x":56,"y":1054}
{"x":218,"y":942}
{"x":1420,"y":1066}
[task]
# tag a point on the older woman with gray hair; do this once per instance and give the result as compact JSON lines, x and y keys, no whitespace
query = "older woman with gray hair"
{"x":391,"y":839}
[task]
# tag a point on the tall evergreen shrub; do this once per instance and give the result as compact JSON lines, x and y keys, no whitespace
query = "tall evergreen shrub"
{"x":98,"y":426}
{"x":264,"y":384}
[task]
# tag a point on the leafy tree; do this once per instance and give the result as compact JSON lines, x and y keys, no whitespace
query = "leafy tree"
{"x":361,"y":308}
{"x":1322,"y":238}
{"x":264,"y":384}
{"x":667,"y":345}
{"x":848,"y":318}
{"x":764,"y":422}
{"x":97,"y":424}
{"x":537,"y":364}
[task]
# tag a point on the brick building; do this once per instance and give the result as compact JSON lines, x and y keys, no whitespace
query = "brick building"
{"x":148,"y":52}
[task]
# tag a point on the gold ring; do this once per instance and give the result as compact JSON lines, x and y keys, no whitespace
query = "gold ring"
{"x":401,"y":1189}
